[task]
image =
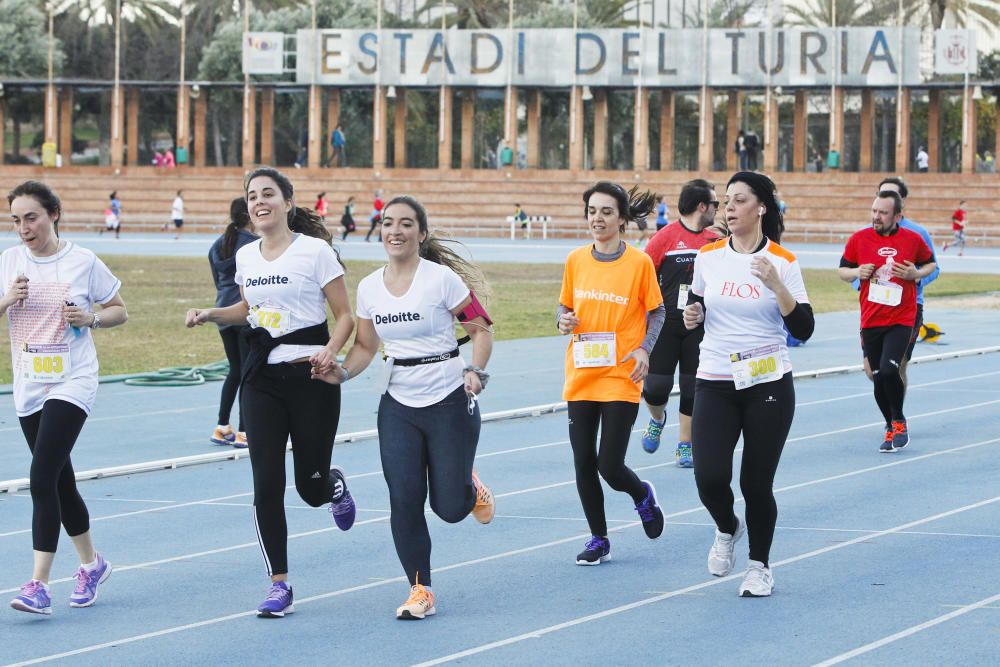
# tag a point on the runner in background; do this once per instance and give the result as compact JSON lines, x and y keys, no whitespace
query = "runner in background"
{"x":958,"y":223}
{"x":673,"y":250}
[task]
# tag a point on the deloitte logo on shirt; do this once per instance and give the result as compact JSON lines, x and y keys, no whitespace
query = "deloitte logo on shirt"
{"x":394,"y":318}
{"x":266,"y":280}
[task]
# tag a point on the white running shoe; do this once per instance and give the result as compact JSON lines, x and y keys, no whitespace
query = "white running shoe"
{"x":720,"y":557}
{"x":757,"y":582}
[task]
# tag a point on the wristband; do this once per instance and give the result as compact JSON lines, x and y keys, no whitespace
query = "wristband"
{"x":347,"y":374}
{"x":484,"y":377}
{"x":96,"y":324}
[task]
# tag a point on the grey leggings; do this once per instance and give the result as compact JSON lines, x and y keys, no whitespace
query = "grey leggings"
{"x":431,"y":447}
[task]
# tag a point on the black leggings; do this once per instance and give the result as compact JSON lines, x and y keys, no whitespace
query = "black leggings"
{"x":281,"y":401}
{"x":371,"y":229}
{"x":763,"y":414}
{"x":51,"y":433}
{"x":676,"y":346}
{"x":885,"y":348}
{"x":236,"y":349}
{"x":615,"y":420}
{"x":431,"y":447}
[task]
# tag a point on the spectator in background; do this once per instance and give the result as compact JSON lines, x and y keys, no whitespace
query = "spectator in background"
{"x":321,"y":206}
{"x":662,"y":214}
{"x":338,"y":145}
{"x":302,"y":159}
{"x":168,"y":159}
{"x":157,"y":159}
{"x":818,"y":160}
{"x":347,"y":219}
{"x":177,"y":214}
{"x":923,"y":159}
{"x":958,"y":222}
{"x":376,"y":216}
{"x":741,"y":149}
{"x":752,"y":143}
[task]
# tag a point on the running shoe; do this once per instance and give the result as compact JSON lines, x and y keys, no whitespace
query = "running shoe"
{"x":757,"y":582}
{"x":241,"y":440}
{"x":683,"y":457}
{"x":886,"y":446}
{"x":278,"y":601}
{"x":720,"y":557}
{"x":650,"y":513}
{"x":341,"y":502}
{"x":651,"y":436}
{"x":223,"y":435}
{"x":485,"y":506}
{"x":419,"y":604}
{"x":34,"y":598}
{"x":597,"y":551}
{"x":900,"y":436}
{"x":87,"y":581}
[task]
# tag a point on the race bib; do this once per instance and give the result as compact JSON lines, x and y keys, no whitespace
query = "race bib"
{"x":756,"y":366}
{"x":47,"y":363}
{"x":885,"y":293}
{"x":592,"y":350}
{"x":682,"y":296}
{"x":277,"y":321}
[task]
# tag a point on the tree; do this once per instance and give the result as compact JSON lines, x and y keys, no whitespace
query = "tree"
{"x":819,"y":13}
{"x":25,"y":32}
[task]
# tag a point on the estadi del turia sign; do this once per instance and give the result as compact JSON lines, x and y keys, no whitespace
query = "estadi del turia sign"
{"x":561,"y":57}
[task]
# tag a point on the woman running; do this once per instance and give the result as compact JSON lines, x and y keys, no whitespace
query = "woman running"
{"x":609,"y":291}
{"x":347,"y":219}
{"x":52,"y":287}
{"x":745,"y":287}
{"x":428,"y":418}
{"x":287,"y":279}
{"x":222,"y":259}
{"x":322,"y":206}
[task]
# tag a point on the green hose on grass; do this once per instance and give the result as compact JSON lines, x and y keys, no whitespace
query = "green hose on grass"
{"x":176,"y":376}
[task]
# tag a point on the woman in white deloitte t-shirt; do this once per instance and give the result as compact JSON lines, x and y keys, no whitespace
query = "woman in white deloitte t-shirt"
{"x":287,"y":279}
{"x":51,"y":287}
{"x":745,"y":288}
{"x":428,"y":420}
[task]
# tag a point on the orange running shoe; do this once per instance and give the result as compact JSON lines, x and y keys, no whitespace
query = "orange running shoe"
{"x":222,"y":435}
{"x":900,"y":435}
{"x":419,"y":604}
{"x":485,"y":506}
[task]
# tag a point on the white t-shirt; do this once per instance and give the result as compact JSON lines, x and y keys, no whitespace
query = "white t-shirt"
{"x":177,"y":209}
{"x":923,"y":159}
{"x":289,"y":289}
{"x":415,"y":325}
{"x":72,"y":274}
{"x":740,"y":313}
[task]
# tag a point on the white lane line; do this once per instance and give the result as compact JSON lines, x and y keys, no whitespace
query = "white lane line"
{"x":817,"y":529}
{"x":446,"y":568}
{"x":908,"y":632}
{"x":580,"y":620}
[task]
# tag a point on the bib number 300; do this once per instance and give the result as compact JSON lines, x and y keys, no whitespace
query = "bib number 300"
{"x":756,"y":366}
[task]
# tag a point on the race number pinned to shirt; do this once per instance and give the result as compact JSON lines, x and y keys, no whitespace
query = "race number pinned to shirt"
{"x":277,"y":321}
{"x":756,"y":366}
{"x":682,"y":296}
{"x":592,"y":350}
{"x":46,"y":363}
{"x":885,"y":292}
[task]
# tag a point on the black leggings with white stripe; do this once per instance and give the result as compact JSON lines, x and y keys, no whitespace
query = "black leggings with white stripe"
{"x":763,"y":415}
{"x":279,"y":402}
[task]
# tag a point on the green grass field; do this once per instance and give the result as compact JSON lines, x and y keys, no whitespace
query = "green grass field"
{"x":158,"y":292}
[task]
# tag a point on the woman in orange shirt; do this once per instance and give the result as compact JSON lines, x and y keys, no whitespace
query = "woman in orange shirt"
{"x":611,"y":303}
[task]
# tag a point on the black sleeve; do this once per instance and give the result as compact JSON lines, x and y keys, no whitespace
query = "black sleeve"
{"x":694,"y":298}
{"x":800,"y":321}
{"x":846,"y":265}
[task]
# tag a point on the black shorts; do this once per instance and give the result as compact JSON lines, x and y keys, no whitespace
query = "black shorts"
{"x":178,"y":223}
{"x":916,"y":331}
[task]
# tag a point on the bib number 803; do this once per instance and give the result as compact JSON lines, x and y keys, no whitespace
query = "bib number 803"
{"x":48,"y":364}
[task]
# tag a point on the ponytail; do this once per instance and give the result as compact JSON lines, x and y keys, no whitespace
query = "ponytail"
{"x":239,"y":218}
{"x":305,"y":221}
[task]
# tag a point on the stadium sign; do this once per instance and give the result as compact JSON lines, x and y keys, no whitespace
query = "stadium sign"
{"x":866,"y":56}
